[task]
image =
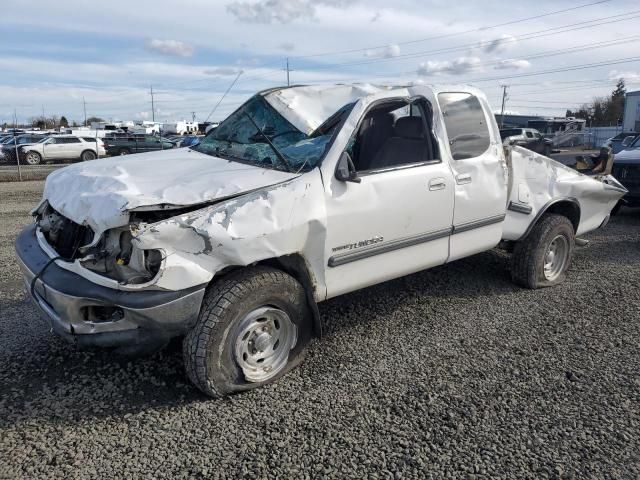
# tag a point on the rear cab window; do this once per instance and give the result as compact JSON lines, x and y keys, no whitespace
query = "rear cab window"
{"x":465,"y":123}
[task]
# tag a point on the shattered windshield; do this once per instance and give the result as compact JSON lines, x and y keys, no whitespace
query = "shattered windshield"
{"x":237,"y":138}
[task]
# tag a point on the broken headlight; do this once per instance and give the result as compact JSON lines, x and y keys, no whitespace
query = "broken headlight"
{"x":117,"y":257}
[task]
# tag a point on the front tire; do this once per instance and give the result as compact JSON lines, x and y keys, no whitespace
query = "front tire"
{"x":124,"y":151}
{"x":253,"y":327}
{"x":33,"y":158}
{"x":543,"y":257}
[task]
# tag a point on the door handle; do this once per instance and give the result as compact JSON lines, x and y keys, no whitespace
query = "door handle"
{"x":437,"y":184}
{"x":463,"y":179}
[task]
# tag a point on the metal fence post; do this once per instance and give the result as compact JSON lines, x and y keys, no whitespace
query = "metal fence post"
{"x":15,"y":144}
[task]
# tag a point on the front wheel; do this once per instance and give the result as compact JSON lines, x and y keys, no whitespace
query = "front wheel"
{"x":124,"y":151}
{"x":544,"y":256}
{"x":33,"y":158}
{"x":253,"y":327}
{"x":547,"y":151}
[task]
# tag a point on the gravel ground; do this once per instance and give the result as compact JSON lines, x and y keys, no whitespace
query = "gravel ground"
{"x":453,"y":372}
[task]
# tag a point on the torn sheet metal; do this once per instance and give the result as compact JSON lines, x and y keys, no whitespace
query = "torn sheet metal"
{"x":101,"y":193}
{"x":307,"y":107}
{"x":273,"y":222}
{"x":536,"y":180}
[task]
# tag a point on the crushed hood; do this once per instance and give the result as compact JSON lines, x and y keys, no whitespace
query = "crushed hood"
{"x":100,"y":193}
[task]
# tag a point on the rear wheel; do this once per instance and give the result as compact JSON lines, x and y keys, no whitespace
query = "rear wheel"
{"x":88,"y":155}
{"x":124,"y":151}
{"x":253,"y":327}
{"x":547,"y":150}
{"x":33,"y":158}
{"x":543,"y":257}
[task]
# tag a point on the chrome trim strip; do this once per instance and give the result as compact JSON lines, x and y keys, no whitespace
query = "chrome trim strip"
{"x":520,"y":208}
{"x":483,"y":222}
{"x":341,"y":259}
{"x":404,"y":166}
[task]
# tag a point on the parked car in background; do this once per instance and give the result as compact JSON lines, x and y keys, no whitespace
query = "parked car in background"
{"x":621,"y":141}
{"x":62,"y":147}
{"x":528,"y":138}
{"x":9,"y":145}
{"x":626,"y":169}
{"x":124,"y":145}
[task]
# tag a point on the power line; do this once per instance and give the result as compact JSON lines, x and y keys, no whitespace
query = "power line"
{"x":527,"y":36}
{"x":449,"y":35}
{"x":563,"y":69}
{"x":586,"y":24}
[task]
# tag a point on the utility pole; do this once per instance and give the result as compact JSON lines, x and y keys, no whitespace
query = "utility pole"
{"x":288,"y":84}
{"x":504,"y":99}
{"x":153,"y":109}
{"x":84,"y":106}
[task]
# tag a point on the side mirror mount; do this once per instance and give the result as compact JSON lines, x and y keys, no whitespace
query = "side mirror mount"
{"x":346,"y":171}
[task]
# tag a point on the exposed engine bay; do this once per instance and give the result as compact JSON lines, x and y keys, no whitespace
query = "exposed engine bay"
{"x":113,"y":255}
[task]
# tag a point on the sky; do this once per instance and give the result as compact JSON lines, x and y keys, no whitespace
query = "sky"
{"x":55,"y":55}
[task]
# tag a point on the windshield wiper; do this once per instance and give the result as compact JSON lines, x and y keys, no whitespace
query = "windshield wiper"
{"x":273,"y":147}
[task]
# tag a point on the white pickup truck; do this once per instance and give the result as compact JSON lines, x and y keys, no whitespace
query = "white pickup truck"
{"x":300,"y":195}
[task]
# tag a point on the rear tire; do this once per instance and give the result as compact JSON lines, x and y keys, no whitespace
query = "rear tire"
{"x":124,"y":151}
{"x":87,"y":155}
{"x":253,"y":327}
{"x":547,"y":151}
{"x":543,"y":257}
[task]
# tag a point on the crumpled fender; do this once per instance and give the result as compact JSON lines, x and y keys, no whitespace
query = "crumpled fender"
{"x":264,"y":224}
{"x":536,"y":182}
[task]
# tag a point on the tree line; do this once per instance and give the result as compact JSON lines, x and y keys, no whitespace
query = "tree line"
{"x":44,"y":123}
{"x":603,"y":111}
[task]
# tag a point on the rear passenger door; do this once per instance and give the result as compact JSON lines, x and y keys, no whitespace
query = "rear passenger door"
{"x":479,"y":170}
{"x":72,"y":147}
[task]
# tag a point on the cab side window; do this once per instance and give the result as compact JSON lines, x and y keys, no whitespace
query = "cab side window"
{"x":465,"y":123}
{"x":394,"y":133}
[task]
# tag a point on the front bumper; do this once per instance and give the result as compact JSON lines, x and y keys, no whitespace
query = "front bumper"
{"x":69,"y":302}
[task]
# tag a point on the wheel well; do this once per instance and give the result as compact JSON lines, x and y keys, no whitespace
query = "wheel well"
{"x":567,"y":208}
{"x":296,"y":266}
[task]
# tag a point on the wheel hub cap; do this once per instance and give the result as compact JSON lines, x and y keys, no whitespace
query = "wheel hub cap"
{"x":265,"y":337}
{"x":556,"y":257}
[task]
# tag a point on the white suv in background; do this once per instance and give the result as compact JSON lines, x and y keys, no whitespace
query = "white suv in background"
{"x":62,"y":147}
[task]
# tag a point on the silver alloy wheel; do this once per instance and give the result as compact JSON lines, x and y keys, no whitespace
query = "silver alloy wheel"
{"x":32,"y":158}
{"x":88,"y":156}
{"x":556,"y":257}
{"x":265,"y":337}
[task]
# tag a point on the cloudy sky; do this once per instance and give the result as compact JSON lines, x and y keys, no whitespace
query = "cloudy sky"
{"x":54,"y":54}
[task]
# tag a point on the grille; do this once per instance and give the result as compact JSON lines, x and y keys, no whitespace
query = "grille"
{"x":626,"y":172}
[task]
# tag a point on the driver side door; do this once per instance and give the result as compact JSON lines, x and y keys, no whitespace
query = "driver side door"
{"x":397,"y":220}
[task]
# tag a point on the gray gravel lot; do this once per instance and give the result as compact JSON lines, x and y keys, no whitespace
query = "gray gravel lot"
{"x":453,"y":372}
